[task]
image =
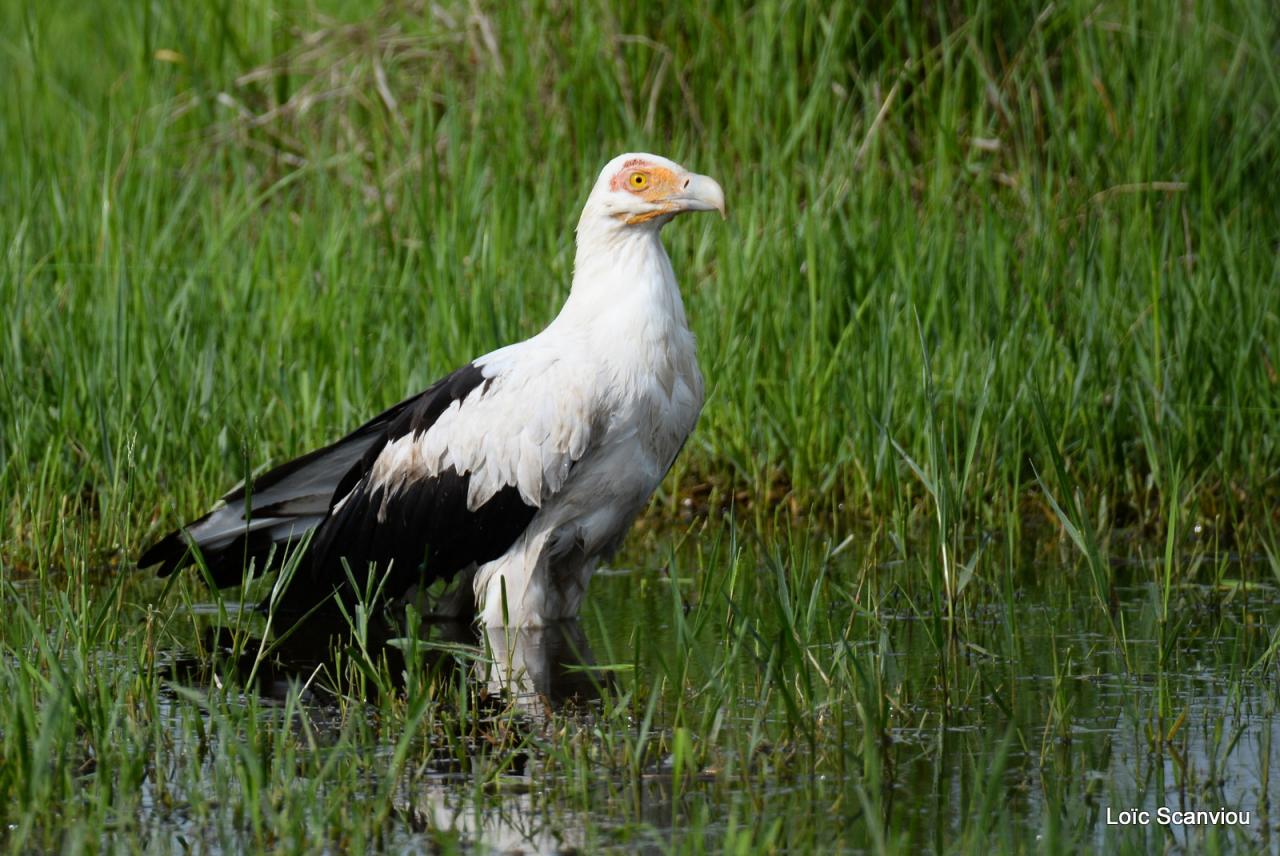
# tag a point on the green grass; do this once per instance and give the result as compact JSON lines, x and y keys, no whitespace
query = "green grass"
{"x":996,"y":301}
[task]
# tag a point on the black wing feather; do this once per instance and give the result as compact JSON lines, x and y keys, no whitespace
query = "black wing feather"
{"x":425,"y":529}
{"x":414,"y":534}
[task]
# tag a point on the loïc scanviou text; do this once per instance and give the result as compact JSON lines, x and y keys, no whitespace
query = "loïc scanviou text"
{"x":1170,"y":816}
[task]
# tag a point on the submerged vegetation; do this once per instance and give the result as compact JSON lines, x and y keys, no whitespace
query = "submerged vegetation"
{"x":977,"y":537}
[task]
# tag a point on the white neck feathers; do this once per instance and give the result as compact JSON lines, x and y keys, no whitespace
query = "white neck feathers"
{"x":622,"y":279}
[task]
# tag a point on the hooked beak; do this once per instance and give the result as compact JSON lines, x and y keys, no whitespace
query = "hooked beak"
{"x":699,"y":193}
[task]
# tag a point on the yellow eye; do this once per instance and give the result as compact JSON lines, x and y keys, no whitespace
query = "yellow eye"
{"x":639,"y":181}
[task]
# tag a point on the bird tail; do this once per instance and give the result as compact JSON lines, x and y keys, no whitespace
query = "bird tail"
{"x":271,"y":513}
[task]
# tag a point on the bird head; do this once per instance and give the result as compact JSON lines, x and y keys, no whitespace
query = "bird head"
{"x":637,"y":189}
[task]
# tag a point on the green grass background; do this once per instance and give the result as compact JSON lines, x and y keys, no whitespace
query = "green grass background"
{"x":232,"y":230}
{"x":994,"y":273}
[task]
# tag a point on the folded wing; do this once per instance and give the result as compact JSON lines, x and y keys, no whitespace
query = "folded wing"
{"x":441,"y":481}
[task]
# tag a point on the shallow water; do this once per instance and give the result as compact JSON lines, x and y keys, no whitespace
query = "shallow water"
{"x":1034,"y":722}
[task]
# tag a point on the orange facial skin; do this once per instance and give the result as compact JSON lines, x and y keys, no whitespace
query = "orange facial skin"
{"x":651,"y":183}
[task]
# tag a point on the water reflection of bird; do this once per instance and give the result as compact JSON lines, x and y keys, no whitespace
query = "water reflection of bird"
{"x":522,"y":469}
